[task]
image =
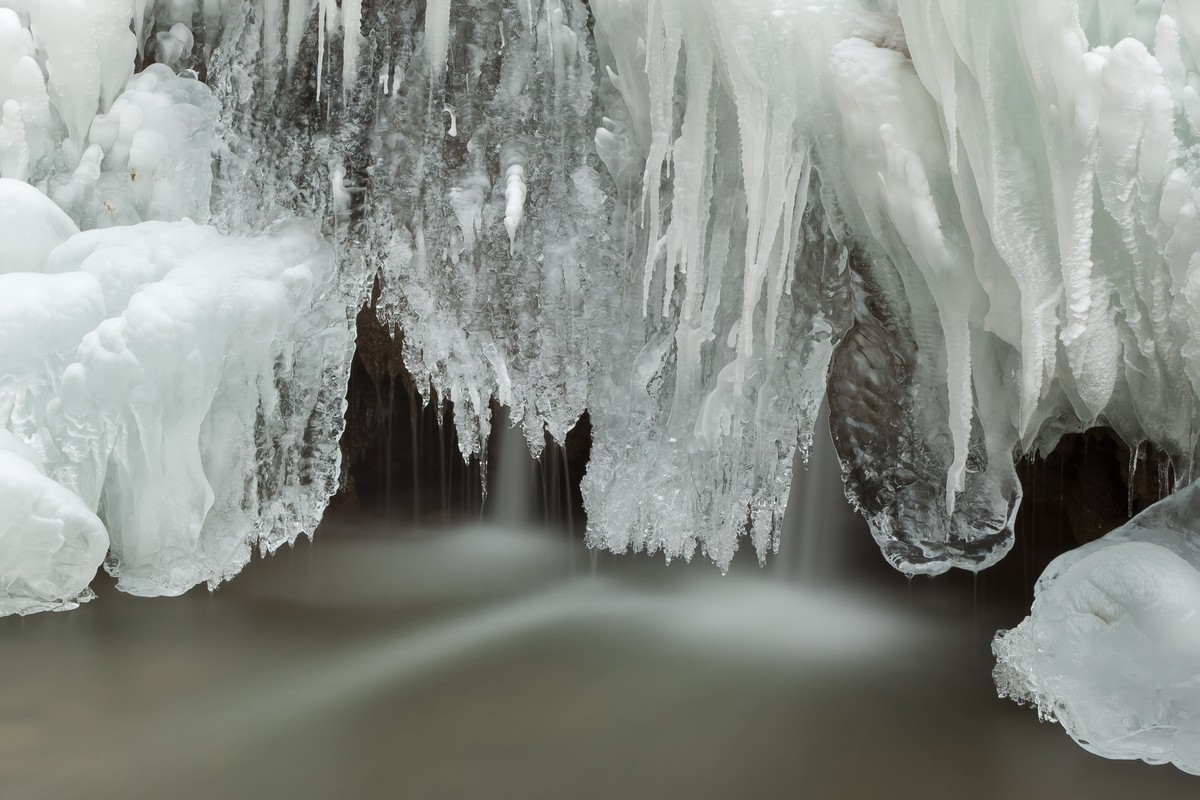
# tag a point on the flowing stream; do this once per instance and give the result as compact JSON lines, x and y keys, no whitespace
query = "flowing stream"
{"x":488,"y":661}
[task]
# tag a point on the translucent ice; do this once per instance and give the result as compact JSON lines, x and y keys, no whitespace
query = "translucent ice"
{"x":1111,"y":647}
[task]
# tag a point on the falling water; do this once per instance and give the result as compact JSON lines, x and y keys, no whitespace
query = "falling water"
{"x":510,"y":499}
{"x":820,"y":526}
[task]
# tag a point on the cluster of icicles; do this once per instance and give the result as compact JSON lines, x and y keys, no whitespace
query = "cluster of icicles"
{"x":971,"y":227}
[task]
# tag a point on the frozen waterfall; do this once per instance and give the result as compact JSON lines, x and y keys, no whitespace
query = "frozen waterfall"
{"x":972,"y":227}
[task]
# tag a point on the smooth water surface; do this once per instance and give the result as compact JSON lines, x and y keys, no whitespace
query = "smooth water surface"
{"x":490,"y":663}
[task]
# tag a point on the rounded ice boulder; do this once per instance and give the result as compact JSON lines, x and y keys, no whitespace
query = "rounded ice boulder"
{"x":51,"y":543}
{"x":31,"y":225}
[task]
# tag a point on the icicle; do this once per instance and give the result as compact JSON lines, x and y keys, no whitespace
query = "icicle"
{"x":337,"y":189}
{"x":351,"y":33}
{"x":272,"y":36}
{"x":298,"y":14}
{"x":664,"y":39}
{"x":322,"y":24}
{"x":437,"y":38}
{"x":513,"y":161}
{"x":139,"y":24}
{"x":212,"y":21}
{"x":525,"y":9}
{"x":14,"y":150}
{"x":563,"y":42}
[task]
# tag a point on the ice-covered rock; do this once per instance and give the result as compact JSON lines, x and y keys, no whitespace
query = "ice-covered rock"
{"x":187,"y":383}
{"x":219,"y":376}
{"x":1111,"y":647}
{"x":51,"y":542}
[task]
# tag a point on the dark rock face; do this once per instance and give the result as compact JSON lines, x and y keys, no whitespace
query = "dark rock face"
{"x":1083,"y":486}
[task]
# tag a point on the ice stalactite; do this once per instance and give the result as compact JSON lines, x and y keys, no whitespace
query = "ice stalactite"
{"x":491,"y":300}
{"x":699,"y":415}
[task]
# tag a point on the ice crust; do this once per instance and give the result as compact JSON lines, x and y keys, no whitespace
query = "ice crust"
{"x":1111,"y":647}
{"x":171,"y":395}
{"x":973,"y":226}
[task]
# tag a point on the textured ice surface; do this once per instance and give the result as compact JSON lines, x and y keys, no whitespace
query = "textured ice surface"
{"x":736,"y":286}
{"x":218,"y":380}
{"x":1111,"y":648}
{"x":975,"y":224}
{"x":187,"y":383}
{"x":671,"y":213}
{"x":33,"y":226}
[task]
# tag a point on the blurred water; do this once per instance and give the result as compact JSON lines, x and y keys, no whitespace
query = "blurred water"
{"x":468,"y":663}
{"x":505,"y":661}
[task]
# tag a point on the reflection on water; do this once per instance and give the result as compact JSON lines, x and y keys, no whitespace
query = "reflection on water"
{"x":490,"y":663}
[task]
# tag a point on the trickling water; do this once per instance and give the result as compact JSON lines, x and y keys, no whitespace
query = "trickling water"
{"x":509,"y":501}
{"x":391,"y":417}
{"x":819,"y":527}
{"x":1134,"y":453}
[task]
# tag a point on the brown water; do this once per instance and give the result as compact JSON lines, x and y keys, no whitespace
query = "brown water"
{"x":485,"y":663}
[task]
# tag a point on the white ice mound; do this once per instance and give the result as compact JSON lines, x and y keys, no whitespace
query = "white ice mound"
{"x":186,"y":383}
{"x":1111,"y":648}
{"x":33,"y":226}
{"x":51,"y":542}
{"x":219,"y":387}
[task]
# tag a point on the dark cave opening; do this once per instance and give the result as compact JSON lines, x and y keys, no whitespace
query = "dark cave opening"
{"x":401,"y":457}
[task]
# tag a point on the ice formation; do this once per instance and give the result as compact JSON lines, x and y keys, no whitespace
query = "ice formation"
{"x":170,"y":394}
{"x":1111,"y":648}
{"x":51,"y":541}
{"x":973,"y":226}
